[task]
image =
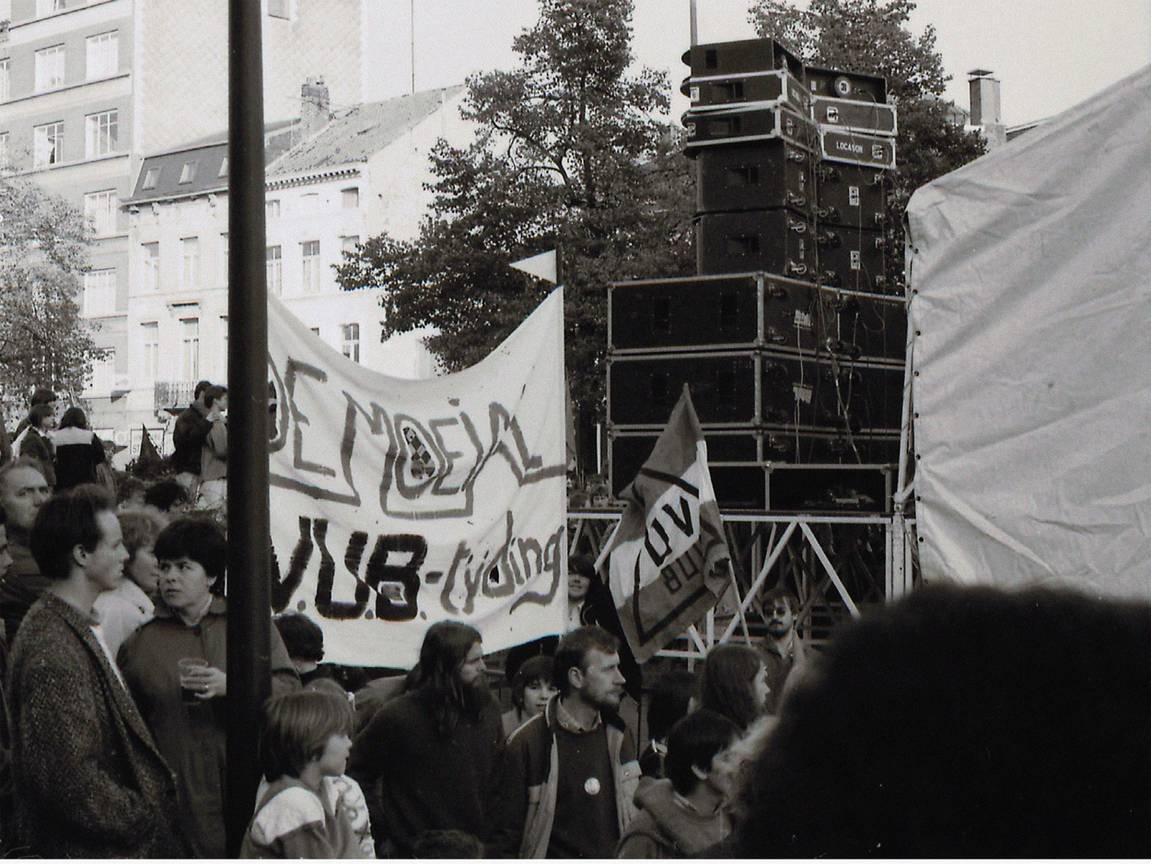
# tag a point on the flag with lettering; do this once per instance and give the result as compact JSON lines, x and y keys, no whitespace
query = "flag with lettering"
{"x":666,"y":560}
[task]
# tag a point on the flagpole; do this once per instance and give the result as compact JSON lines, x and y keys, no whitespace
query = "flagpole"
{"x":249,"y":559}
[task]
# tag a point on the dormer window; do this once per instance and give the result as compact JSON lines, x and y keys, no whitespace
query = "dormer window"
{"x":151,"y":178}
{"x":188,"y":172}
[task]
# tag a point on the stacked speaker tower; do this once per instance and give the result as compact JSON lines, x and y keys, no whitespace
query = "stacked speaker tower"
{"x":790,"y":338}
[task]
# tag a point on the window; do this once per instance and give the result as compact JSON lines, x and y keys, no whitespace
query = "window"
{"x":50,"y":67}
{"x":150,"y":349}
{"x":100,"y":211}
{"x":315,"y":330}
{"x":47,"y":7}
{"x":310,"y":253}
{"x":223,"y":172}
{"x":224,"y":252}
{"x":151,"y":260}
{"x":310,"y":202}
{"x":99,"y":293}
{"x":103,"y":374}
{"x":5,"y":83}
{"x":189,"y":262}
{"x":349,"y":243}
{"x":103,"y":55}
{"x":4,"y":150}
{"x":151,"y":178}
{"x":272,"y":209}
{"x":274,"y":268}
{"x":100,"y":133}
{"x":189,"y":349}
{"x":350,"y":198}
{"x":350,"y":344}
{"x":47,"y":144}
{"x":278,"y":9}
{"x":188,"y":172}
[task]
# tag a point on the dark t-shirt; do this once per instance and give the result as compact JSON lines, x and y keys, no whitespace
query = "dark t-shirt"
{"x":586,"y":824}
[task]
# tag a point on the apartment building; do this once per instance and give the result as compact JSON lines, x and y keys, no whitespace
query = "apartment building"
{"x":87,"y":87}
{"x":333,"y":179}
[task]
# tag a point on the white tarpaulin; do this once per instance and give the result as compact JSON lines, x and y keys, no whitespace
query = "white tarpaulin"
{"x":1032,"y":315}
{"x":398,"y":503}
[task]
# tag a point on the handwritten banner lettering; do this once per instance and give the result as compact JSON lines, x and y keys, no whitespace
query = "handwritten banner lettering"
{"x":398,"y":503}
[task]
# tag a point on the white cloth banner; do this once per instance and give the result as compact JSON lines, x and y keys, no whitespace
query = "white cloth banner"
{"x":1032,"y":313}
{"x":398,"y":503}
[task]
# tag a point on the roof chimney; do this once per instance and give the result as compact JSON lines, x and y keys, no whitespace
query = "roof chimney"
{"x":314,"y":113}
{"x":984,"y":98}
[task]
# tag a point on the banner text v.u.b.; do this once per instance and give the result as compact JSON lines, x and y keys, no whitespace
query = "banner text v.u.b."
{"x":398,"y":503}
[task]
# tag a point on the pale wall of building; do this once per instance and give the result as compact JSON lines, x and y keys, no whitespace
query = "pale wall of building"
{"x":183,"y":63}
{"x":169,"y":86}
{"x":398,"y":174}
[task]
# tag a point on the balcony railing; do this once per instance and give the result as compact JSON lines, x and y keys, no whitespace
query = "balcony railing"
{"x":172,"y":396}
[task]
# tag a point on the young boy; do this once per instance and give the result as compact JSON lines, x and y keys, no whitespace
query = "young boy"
{"x":306,"y":807}
{"x":684,"y":814}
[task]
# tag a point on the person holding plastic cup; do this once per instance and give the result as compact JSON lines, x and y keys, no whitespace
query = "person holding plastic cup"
{"x":175,"y":665}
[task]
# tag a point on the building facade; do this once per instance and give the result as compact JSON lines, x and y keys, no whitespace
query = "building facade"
{"x":88,"y":87}
{"x":333,"y":179}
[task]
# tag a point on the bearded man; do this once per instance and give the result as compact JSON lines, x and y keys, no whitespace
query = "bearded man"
{"x":571,"y":773}
{"x":429,"y":760}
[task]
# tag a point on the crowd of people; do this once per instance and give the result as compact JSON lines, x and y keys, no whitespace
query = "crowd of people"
{"x":959,"y":722}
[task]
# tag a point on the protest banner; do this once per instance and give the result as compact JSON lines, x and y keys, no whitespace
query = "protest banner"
{"x":667,"y":558}
{"x":398,"y":503}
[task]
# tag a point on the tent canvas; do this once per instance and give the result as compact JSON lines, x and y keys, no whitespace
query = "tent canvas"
{"x":1030,"y":273}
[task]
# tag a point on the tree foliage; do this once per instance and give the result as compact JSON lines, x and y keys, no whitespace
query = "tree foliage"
{"x":43,"y":249}
{"x":871,"y":37}
{"x":567,"y":153}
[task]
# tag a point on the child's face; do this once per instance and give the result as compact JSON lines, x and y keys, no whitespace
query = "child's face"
{"x":334,"y":759}
{"x":536,"y":696}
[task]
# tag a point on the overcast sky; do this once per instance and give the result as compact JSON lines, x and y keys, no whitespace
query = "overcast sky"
{"x":1048,"y":54}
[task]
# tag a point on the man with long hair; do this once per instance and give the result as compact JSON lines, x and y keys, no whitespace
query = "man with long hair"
{"x":429,"y":760}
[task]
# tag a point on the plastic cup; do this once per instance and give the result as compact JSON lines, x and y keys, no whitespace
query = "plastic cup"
{"x":189,"y":681}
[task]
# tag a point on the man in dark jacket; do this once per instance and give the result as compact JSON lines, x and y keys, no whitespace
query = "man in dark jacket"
{"x":90,"y":782}
{"x":189,"y":436}
{"x":570,"y":774}
{"x":429,"y":760}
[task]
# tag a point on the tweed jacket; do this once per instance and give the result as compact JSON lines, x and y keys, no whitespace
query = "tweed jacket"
{"x":89,"y":780}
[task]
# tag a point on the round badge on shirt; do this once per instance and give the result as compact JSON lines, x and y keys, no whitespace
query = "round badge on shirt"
{"x":591,"y":786}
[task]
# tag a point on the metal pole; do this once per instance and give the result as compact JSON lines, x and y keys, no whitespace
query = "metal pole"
{"x":412,"y":40}
{"x":694,"y":23}
{"x":249,"y":619}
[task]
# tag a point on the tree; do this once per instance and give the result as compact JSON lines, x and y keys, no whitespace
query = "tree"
{"x":871,"y":36}
{"x":566,"y":154}
{"x":43,"y":249}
